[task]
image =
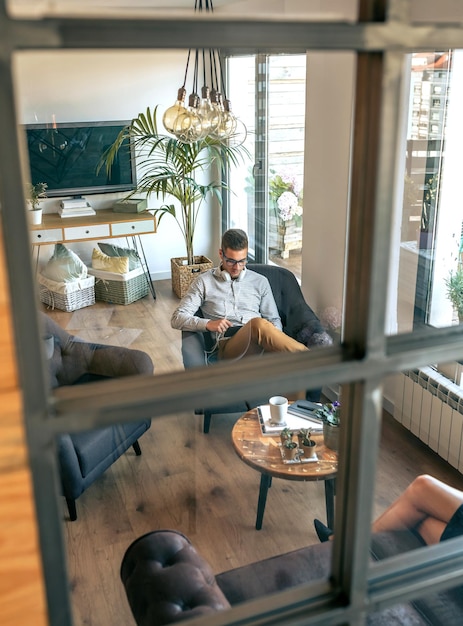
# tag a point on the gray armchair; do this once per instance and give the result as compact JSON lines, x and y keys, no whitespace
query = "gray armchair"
{"x":84,"y":456}
{"x":298,"y":319}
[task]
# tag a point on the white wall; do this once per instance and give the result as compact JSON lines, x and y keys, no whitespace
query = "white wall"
{"x":114,"y":85}
{"x":329,"y":101}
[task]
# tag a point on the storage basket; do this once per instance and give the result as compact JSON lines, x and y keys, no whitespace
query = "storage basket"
{"x":120,"y":288}
{"x":68,"y":296}
{"x":183,"y":275}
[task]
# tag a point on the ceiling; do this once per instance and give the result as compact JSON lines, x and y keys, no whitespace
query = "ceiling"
{"x":55,"y":6}
{"x":327,"y":9}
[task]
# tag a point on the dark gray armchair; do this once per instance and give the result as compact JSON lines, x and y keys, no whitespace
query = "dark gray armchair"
{"x":299,"y":322}
{"x":84,"y":456}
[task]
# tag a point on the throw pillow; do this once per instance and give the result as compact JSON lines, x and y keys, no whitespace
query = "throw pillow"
{"x":312,"y":334}
{"x":131,"y":253}
{"x":64,"y":266}
{"x":118,"y":265}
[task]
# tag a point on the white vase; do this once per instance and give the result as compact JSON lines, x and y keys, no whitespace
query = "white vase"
{"x":35,"y":216}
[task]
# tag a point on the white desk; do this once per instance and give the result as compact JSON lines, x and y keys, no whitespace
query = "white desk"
{"x":106,"y":224}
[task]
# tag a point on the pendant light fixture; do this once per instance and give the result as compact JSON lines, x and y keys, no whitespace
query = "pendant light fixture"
{"x":209,"y":115}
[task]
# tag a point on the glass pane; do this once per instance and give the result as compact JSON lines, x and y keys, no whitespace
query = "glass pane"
{"x":419,"y":486}
{"x":432,"y":218}
{"x":286,"y":114}
{"x":437,"y":607}
{"x":241,"y":78}
{"x":429,"y":403}
{"x":278,"y":141}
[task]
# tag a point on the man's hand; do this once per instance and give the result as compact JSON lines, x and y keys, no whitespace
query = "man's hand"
{"x":218,"y":326}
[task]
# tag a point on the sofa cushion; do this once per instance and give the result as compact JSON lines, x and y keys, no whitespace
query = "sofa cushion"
{"x":276,"y":573}
{"x":300,"y":567}
{"x":387,"y":544}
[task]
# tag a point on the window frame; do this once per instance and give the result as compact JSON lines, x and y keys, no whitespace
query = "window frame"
{"x":359,"y":365}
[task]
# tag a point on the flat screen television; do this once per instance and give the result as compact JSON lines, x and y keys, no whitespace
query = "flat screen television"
{"x":66,"y":157}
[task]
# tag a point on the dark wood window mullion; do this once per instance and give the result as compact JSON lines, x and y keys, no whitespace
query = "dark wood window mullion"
{"x":360,"y":401}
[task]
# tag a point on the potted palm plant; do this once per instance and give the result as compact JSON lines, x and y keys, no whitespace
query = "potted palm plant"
{"x":454,"y":284}
{"x":35,"y":193}
{"x":168,"y":168}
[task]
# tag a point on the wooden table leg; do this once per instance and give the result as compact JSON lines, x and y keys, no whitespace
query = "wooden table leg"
{"x":330,"y":491}
{"x":265,"y":483}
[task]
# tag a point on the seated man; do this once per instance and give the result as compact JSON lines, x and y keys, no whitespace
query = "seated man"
{"x":237,"y":305}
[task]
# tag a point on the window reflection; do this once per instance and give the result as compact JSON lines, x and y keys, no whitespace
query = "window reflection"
{"x":432,"y":216}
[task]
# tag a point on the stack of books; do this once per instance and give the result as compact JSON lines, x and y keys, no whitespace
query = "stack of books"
{"x":76,"y":207}
{"x":300,"y":415}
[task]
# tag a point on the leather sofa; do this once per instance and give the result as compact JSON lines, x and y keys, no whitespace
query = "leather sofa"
{"x":84,"y":456}
{"x":299,"y":322}
{"x":167,"y":581}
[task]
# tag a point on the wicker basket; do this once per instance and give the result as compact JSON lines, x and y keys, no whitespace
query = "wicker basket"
{"x":120,"y":288}
{"x":68,"y":296}
{"x":184,"y":275}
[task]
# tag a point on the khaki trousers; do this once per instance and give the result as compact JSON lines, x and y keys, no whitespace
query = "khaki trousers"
{"x":255,"y":337}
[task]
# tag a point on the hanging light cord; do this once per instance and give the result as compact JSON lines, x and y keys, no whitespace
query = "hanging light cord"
{"x":209,"y":115}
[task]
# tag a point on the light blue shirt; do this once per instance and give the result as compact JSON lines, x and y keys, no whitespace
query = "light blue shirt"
{"x":219,"y":297}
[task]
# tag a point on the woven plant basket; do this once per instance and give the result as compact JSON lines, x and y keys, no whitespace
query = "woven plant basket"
{"x":184,"y":275}
{"x":120,"y":288}
{"x":68,"y":296}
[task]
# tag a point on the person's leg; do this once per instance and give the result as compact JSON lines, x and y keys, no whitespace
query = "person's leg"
{"x":257,"y":336}
{"x":426,"y":505}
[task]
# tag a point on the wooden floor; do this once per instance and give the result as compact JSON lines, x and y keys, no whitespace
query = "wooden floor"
{"x":193,"y":482}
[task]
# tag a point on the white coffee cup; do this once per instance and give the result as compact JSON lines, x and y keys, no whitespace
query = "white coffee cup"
{"x":278,"y":409}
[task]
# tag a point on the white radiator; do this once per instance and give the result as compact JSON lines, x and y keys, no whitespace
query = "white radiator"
{"x":431,"y":407}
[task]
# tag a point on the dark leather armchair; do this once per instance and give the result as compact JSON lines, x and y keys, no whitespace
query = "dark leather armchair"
{"x":299,"y":322}
{"x":84,"y":456}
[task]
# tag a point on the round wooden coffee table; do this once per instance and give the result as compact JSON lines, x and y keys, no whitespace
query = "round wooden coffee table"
{"x":262,"y":453}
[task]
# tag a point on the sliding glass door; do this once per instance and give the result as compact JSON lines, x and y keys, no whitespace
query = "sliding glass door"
{"x":268,"y":94}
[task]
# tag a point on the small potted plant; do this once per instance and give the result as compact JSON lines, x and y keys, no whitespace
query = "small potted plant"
{"x":290,"y":449}
{"x":454,"y":284}
{"x":306,"y":443}
{"x":35,"y":193}
{"x":330,"y":414}
{"x":285,"y":434}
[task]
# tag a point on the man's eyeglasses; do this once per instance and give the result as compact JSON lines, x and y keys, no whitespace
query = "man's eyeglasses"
{"x":232,"y":262}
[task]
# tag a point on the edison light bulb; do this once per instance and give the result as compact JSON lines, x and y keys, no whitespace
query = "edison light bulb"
{"x":239,"y":134}
{"x":210,"y":116}
{"x":171,"y":115}
{"x":188,"y":127}
{"x":228,"y":123}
